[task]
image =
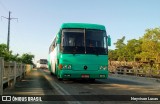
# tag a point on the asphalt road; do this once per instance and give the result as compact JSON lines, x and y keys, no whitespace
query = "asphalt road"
{"x":111,"y":86}
{"x":40,"y":82}
{"x":114,"y":85}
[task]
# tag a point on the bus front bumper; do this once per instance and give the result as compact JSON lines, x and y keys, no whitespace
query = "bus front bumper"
{"x":70,"y":74}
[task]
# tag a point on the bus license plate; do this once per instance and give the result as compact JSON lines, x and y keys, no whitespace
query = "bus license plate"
{"x":85,"y":76}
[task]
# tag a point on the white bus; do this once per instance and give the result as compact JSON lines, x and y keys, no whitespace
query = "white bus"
{"x":42,"y":63}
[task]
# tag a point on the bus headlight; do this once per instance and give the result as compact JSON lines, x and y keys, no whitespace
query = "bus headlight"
{"x":103,"y":67}
{"x":67,"y":67}
{"x":64,"y":66}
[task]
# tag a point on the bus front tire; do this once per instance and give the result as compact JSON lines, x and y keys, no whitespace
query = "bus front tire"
{"x":51,"y":73}
{"x":60,"y":79}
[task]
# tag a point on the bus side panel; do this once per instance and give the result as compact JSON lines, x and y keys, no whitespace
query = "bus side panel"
{"x":58,"y":57}
{"x":53,"y":60}
{"x":49,"y":63}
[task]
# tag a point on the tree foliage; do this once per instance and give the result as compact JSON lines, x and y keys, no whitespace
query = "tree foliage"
{"x":5,"y":53}
{"x":8,"y":56}
{"x":27,"y":58}
{"x":148,"y":46}
{"x":120,"y":48}
{"x":151,"y":43}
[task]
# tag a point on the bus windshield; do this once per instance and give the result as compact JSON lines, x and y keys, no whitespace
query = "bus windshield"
{"x":43,"y":61}
{"x":83,"y":41}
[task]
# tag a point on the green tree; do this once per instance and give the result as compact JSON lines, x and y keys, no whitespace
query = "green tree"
{"x":120,"y":43}
{"x":27,"y":58}
{"x":8,"y":56}
{"x":4,"y":52}
{"x":120,"y":49}
{"x":151,"y":43}
{"x":112,"y":55}
{"x":133,"y":47}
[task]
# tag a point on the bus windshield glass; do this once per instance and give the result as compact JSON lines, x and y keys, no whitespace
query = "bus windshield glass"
{"x":43,"y":61}
{"x":73,"y":41}
{"x":83,"y":41}
{"x":95,"y":41}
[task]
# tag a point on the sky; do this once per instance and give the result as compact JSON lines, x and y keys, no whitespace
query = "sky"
{"x":40,"y":20}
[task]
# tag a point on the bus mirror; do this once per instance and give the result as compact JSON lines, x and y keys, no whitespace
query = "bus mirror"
{"x":109,"y":41}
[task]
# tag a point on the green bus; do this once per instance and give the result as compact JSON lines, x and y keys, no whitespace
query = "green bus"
{"x":79,"y":51}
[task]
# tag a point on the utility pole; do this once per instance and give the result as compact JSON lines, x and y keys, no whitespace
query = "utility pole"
{"x":8,"y":38}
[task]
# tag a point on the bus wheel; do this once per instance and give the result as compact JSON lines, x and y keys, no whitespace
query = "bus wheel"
{"x":60,"y":79}
{"x":51,"y":73}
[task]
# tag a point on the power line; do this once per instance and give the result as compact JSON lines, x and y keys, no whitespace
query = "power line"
{"x":9,"y":19}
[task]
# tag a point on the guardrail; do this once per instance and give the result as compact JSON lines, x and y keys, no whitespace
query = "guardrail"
{"x":134,"y":68}
{"x":10,"y":71}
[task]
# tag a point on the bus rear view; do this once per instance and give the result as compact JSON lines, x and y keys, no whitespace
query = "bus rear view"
{"x":82,"y":52}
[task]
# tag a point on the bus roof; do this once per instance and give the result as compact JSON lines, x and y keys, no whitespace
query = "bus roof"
{"x":82,"y":25}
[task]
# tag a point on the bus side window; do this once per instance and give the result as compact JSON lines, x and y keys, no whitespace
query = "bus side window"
{"x":54,"y":44}
{"x":50,"y":49}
